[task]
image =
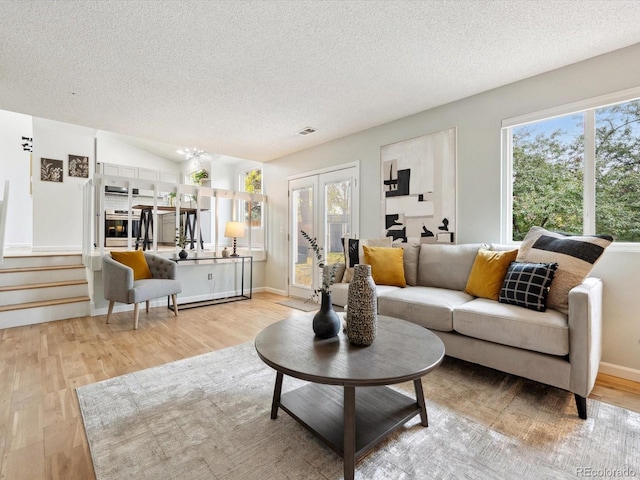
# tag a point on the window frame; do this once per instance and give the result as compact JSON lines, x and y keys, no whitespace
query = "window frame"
{"x":587,"y":107}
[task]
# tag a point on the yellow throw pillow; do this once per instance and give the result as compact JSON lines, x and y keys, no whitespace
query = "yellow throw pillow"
{"x":136,"y":261}
{"x":488,"y":272}
{"x":387,"y":267}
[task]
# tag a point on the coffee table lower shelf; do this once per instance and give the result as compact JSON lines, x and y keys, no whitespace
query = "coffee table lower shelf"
{"x":379,"y":411}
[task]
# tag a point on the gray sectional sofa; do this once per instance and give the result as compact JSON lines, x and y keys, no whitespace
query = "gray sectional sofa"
{"x":549,"y":347}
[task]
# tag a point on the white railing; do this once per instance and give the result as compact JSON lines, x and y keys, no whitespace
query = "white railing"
{"x":4,"y":206}
{"x":94,"y":210}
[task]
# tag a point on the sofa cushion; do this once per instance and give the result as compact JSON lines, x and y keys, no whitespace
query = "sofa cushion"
{"x":527,"y":285}
{"x":575,"y":255}
{"x":545,"y":332}
{"x":387,"y":267}
{"x":147,"y":289}
{"x":354,"y":254}
{"x":446,"y":266}
{"x":410,"y":259}
{"x":488,"y":272}
{"x":427,"y":306}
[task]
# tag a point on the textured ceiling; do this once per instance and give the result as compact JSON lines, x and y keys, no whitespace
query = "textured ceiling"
{"x":240,"y":78}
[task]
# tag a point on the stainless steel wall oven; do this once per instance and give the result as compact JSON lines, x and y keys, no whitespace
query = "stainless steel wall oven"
{"x":116,"y":228}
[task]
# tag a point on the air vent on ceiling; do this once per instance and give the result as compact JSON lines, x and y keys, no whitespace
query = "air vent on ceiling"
{"x":307,"y":131}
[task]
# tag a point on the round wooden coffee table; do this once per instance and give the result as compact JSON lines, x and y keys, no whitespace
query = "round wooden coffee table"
{"x":329,"y":406}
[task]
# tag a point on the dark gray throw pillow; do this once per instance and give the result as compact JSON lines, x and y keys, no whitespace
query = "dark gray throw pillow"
{"x":527,"y":285}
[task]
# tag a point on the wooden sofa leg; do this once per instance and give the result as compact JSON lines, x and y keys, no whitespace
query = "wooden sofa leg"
{"x":581,"y":404}
{"x":110,"y":311}
{"x":147,"y":306}
{"x":174,"y":299}
{"x":136,"y":313}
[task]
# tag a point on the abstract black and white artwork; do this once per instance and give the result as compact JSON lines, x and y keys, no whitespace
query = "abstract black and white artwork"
{"x":51,"y":170}
{"x":419,"y":188}
{"x":78,"y":166}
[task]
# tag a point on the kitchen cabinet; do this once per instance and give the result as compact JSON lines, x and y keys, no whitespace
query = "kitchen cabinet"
{"x":170,"y":177}
{"x":148,"y":174}
{"x":119,"y":170}
{"x":168,"y":227}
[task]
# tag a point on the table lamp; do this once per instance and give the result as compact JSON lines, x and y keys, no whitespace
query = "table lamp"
{"x":234,"y":230}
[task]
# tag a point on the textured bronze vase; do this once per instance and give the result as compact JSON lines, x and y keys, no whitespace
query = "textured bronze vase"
{"x":362,"y":307}
{"x":326,"y":323}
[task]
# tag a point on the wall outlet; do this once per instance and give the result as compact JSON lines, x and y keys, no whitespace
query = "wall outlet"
{"x":210,"y":276}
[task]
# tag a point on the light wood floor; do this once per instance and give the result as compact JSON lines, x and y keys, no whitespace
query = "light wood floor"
{"x":41,"y":430}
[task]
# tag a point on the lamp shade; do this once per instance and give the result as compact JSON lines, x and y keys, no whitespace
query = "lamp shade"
{"x":234,"y":230}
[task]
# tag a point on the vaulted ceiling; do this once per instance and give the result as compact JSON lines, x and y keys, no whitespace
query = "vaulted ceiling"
{"x":240,"y":78}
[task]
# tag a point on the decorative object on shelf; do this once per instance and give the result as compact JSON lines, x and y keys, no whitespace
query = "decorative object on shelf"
{"x":171,"y":197}
{"x":225,"y":253}
{"x":234,"y":230}
{"x":362,"y":307}
{"x":326,"y":322}
{"x":181,"y":241}
{"x":199,"y":175}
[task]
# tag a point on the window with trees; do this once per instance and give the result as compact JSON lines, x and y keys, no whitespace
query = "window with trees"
{"x":251,"y":182}
{"x":577,"y":173}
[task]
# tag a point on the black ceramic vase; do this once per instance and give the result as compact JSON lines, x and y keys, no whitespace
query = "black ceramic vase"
{"x":326,"y":322}
{"x":183,"y":253}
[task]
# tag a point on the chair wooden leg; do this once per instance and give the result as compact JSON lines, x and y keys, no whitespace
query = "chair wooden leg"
{"x":110,"y":311}
{"x":136,"y":312}
{"x":147,"y":306}
{"x":174,"y":298}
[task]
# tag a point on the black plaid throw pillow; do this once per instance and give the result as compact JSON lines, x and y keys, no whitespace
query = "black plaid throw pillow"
{"x":527,"y":285}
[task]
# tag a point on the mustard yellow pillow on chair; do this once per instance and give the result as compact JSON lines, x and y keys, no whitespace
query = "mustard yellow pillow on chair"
{"x":136,"y":261}
{"x":387,"y":267}
{"x":488,"y":272}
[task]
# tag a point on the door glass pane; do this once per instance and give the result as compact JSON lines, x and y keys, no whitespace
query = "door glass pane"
{"x":618,"y":171}
{"x":302,"y":199}
{"x":337,"y":200}
{"x":548,"y":164}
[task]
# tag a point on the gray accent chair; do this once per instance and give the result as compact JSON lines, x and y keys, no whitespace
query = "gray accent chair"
{"x":119,"y":285}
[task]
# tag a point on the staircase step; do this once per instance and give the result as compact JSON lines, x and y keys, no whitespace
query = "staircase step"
{"x":15,"y":294}
{"x":40,"y":260}
{"x":43,"y":274}
{"x":44,"y":311}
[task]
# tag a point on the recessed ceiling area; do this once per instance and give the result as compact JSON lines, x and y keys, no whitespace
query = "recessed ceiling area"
{"x":241,"y":78}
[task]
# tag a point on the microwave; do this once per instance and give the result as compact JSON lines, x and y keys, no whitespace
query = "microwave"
{"x":120,"y":190}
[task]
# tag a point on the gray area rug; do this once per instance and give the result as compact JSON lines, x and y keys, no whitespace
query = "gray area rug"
{"x":300,"y":304}
{"x":207,"y":417}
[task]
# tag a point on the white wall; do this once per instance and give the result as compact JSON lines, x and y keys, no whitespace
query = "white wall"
{"x":14,"y":166}
{"x":110,"y":149}
{"x":57,"y":207}
{"x":478,"y":120}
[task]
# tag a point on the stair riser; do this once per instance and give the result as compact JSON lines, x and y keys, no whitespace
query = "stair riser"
{"x":41,"y":261}
{"x":30,"y":316}
{"x":48,"y":293}
{"x":44,"y":276}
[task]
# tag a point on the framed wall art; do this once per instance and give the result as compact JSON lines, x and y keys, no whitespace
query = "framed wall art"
{"x":418,"y":188}
{"x":78,"y":166}
{"x":51,"y":170}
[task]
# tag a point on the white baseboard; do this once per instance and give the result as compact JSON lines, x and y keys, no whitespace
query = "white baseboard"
{"x":275,"y":291}
{"x":620,"y":371}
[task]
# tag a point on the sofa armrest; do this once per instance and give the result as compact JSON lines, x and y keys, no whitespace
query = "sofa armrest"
{"x":339,"y":271}
{"x":585,"y":334}
{"x":117,"y":279}
{"x":161,"y":267}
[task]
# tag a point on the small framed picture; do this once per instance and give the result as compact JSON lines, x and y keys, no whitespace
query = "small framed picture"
{"x":51,"y":170}
{"x":78,"y":166}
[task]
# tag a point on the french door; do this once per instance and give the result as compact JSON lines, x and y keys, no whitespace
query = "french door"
{"x":325,"y":206}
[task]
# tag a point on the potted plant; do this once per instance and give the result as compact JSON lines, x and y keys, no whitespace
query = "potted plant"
{"x":199,"y":175}
{"x":181,"y":241}
{"x":326,"y":322}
